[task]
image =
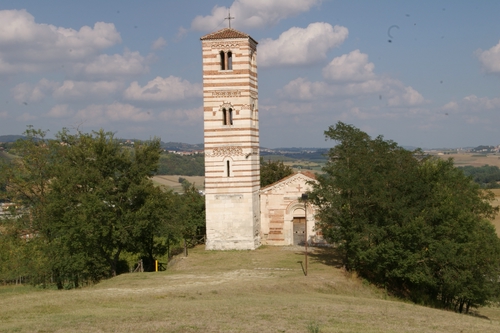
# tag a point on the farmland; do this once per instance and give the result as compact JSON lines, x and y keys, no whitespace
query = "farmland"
{"x":476,"y":160}
{"x":172,"y":182}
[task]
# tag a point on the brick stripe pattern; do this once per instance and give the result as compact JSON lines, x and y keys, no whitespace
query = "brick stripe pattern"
{"x":231,"y":137}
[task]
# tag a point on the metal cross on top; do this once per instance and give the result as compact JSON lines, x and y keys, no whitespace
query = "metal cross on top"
{"x":229,"y":18}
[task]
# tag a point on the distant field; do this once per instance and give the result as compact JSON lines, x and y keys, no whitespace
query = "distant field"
{"x":173,"y":182}
{"x":263,"y":290}
{"x":476,"y":160}
{"x":305,"y":165}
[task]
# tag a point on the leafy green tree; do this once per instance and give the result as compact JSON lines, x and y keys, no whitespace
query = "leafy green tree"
{"x":187,"y":165}
{"x":98,"y":196}
{"x":271,"y":172}
{"x":86,"y":200}
{"x":487,"y":176}
{"x":407,"y":222}
{"x":191,"y":214}
{"x":26,"y":180}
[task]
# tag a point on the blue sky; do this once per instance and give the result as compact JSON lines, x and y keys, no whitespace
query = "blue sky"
{"x":421,"y":73}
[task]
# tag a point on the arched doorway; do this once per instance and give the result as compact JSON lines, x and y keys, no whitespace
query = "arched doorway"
{"x":299,"y":227}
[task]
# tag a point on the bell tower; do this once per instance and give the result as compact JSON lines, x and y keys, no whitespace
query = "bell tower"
{"x":231,"y":137}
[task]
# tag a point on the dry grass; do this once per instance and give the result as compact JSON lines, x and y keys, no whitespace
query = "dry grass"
{"x":477,"y":160}
{"x":173,"y":182}
{"x":234,"y":291}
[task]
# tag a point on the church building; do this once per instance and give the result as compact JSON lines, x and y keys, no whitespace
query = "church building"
{"x":239,"y":215}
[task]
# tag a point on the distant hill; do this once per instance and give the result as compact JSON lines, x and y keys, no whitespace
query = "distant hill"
{"x":180,"y":146}
{"x":10,"y":138}
{"x":308,"y":154}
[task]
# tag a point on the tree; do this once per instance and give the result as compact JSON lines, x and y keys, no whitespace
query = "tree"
{"x":272,"y":172}
{"x":486,"y":176}
{"x":86,"y":199}
{"x":26,"y":181}
{"x":407,"y":222}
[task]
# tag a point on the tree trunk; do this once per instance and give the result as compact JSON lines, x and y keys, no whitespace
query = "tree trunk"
{"x":75,"y":281}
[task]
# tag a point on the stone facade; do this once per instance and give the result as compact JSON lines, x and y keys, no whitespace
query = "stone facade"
{"x":283,"y":215}
{"x":231,"y":137}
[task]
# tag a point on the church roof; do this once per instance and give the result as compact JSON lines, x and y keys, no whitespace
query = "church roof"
{"x":307,"y":174}
{"x":227,"y":33}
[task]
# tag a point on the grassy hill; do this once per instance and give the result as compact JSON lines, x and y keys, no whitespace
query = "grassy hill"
{"x":234,"y":291}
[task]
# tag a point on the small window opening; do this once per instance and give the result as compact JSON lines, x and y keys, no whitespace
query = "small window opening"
{"x":224,"y":117}
{"x":230,"y":116}
{"x":230,"y":60}
{"x":222,"y":60}
{"x":228,"y":169}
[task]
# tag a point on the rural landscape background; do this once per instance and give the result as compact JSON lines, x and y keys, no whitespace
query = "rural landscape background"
{"x":234,"y":291}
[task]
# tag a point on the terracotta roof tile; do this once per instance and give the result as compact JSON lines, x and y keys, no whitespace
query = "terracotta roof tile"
{"x":227,"y":33}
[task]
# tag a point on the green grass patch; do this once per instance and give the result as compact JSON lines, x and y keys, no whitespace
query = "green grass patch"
{"x":231,"y":291}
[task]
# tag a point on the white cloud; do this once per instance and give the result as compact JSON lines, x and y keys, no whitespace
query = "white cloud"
{"x":184,"y":116}
{"x":111,"y":66}
{"x":24,"y":92}
{"x":490,"y":59}
{"x":181,"y":33}
{"x":472,"y":103}
{"x":26,"y":117}
{"x":84,"y":90}
{"x":69,"y":90}
{"x":119,"y":111}
{"x":253,"y":13}
{"x":159,"y":44}
{"x":305,"y":90}
{"x":298,"y":46}
{"x":451,"y":106}
{"x":60,"y":111}
{"x":97,"y":114}
{"x":27,"y":46}
{"x":352,"y":67}
{"x":163,"y":90}
{"x":351,"y":76}
{"x":28,"y":93}
{"x":407,"y":96}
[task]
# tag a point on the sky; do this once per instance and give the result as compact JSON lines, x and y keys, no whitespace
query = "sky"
{"x":421,"y":73}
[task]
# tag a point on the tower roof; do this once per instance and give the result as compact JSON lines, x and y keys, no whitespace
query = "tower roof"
{"x":227,"y":33}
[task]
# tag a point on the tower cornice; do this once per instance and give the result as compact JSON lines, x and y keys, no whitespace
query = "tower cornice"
{"x":227,"y":33}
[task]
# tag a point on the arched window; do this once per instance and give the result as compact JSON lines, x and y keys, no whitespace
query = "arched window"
{"x":227,"y":116}
{"x":230,"y":60}
{"x":226,"y":60}
{"x":228,"y":169}
{"x":222,"y":60}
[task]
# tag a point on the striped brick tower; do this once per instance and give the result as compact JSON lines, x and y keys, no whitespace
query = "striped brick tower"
{"x":231,"y":131}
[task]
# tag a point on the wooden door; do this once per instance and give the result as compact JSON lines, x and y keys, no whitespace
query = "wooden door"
{"x":299,"y":229}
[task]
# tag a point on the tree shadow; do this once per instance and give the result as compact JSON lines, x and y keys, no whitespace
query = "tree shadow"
{"x":326,"y":255}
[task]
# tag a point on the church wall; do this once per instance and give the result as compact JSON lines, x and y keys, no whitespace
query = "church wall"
{"x":280,"y":203}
